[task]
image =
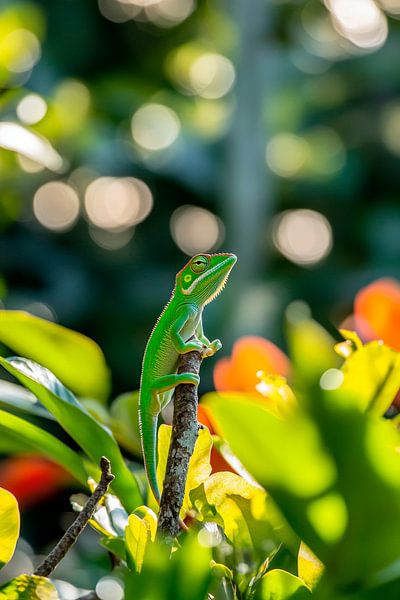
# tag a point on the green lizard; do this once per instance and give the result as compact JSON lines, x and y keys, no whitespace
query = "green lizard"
{"x":178,"y":330}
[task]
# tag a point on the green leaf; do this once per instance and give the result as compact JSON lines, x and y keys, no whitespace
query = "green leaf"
{"x":199,"y":465}
{"x":28,"y":587}
{"x":115,"y":545}
{"x":25,"y":436}
{"x":18,"y":399}
{"x":281,"y":585}
{"x":285,"y":453}
{"x":311,"y":347}
{"x":95,"y":439}
{"x":372,"y":376}
{"x":9,"y":526}
{"x":74,"y":358}
{"x":185,"y":575}
{"x":124,"y":426}
{"x":239,"y":507}
{"x":141,"y":529}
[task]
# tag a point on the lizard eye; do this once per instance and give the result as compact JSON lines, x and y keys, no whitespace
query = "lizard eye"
{"x":199,"y":264}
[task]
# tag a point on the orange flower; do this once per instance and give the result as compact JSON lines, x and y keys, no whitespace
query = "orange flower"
{"x":250,"y":354}
{"x":32,"y":478}
{"x":238,"y":373}
{"x":377,"y":312}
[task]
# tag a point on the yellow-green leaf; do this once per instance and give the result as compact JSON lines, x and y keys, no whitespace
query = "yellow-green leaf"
{"x":199,"y":465}
{"x":74,"y":358}
{"x":238,"y":506}
{"x":281,"y":585}
{"x":372,"y":376}
{"x":28,"y":587}
{"x":309,"y":567}
{"x":141,"y":529}
{"x":9,"y":526}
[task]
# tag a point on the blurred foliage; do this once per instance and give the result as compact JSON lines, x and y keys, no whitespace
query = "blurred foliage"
{"x":133,"y":132}
{"x":321,"y":524}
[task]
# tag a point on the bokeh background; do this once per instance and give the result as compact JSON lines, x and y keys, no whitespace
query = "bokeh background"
{"x":135,"y":133}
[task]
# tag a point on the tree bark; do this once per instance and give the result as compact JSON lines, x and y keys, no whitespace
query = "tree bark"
{"x":183,"y":439}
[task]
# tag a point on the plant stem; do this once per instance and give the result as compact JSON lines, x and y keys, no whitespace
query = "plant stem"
{"x":183,"y":439}
{"x":71,"y":535}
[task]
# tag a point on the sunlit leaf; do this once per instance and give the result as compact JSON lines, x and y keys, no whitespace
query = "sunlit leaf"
{"x":309,"y":567}
{"x":199,"y":464}
{"x":372,"y":376}
{"x":258,"y":438}
{"x":17,"y":398}
{"x":28,"y":587}
{"x":281,"y":585}
{"x":239,"y":507}
{"x":9,"y":526}
{"x":95,"y":439}
{"x":142,"y":526}
{"x":74,"y":358}
{"x":19,"y":435}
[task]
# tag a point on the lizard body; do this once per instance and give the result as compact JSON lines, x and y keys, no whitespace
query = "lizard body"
{"x":178,"y":330}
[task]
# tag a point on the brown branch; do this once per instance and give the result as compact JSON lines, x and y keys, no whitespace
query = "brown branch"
{"x":73,"y":532}
{"x":183,"y":439}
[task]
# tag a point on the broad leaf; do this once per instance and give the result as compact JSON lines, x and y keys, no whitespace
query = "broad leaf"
{"x":239,"y":507}
{"x":372,"y":376}
{"x":311,"y":347}
{"x":95,"y":439}
{"x":28,"y":587}
{"x":18,"y":399}
{"x":281,"y":585}
{"x":258,"y":438}
{"x":183,"y":576}
{"x":9,"y":526}
{"x":124,"y":423}
{"x":74,"y":358}
{"x":16,"y":434}
{"x":141,"y":529}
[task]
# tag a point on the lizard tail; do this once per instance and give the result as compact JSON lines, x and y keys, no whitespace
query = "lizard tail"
{"x":148,"y":428}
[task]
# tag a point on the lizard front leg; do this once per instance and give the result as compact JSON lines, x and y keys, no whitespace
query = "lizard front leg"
{"x":168,"y":382}
{"x":211,"y":347}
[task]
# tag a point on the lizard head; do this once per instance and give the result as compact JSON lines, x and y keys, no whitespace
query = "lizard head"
{"x":204,"y":276}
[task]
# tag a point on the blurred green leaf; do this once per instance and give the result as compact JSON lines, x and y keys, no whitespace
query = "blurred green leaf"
{"x":287,"y":453}
{"x":124,"y":424}
{"x":25,"y":436}
{"x":281,"y":585}
{"x":372,"y":376}
{"x":28,"y":587}
{"x":183,"y":576}
{"x":95,"y":439}
{"x":311,"y":347}
{"x":74,"y":358}
{"x":9,"y":526}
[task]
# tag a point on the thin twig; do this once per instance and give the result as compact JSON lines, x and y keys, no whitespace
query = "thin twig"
{"x":71,"y":535}
{"x":183,"y":439}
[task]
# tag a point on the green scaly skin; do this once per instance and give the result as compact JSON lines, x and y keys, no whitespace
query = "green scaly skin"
{"x":197,"y":284}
